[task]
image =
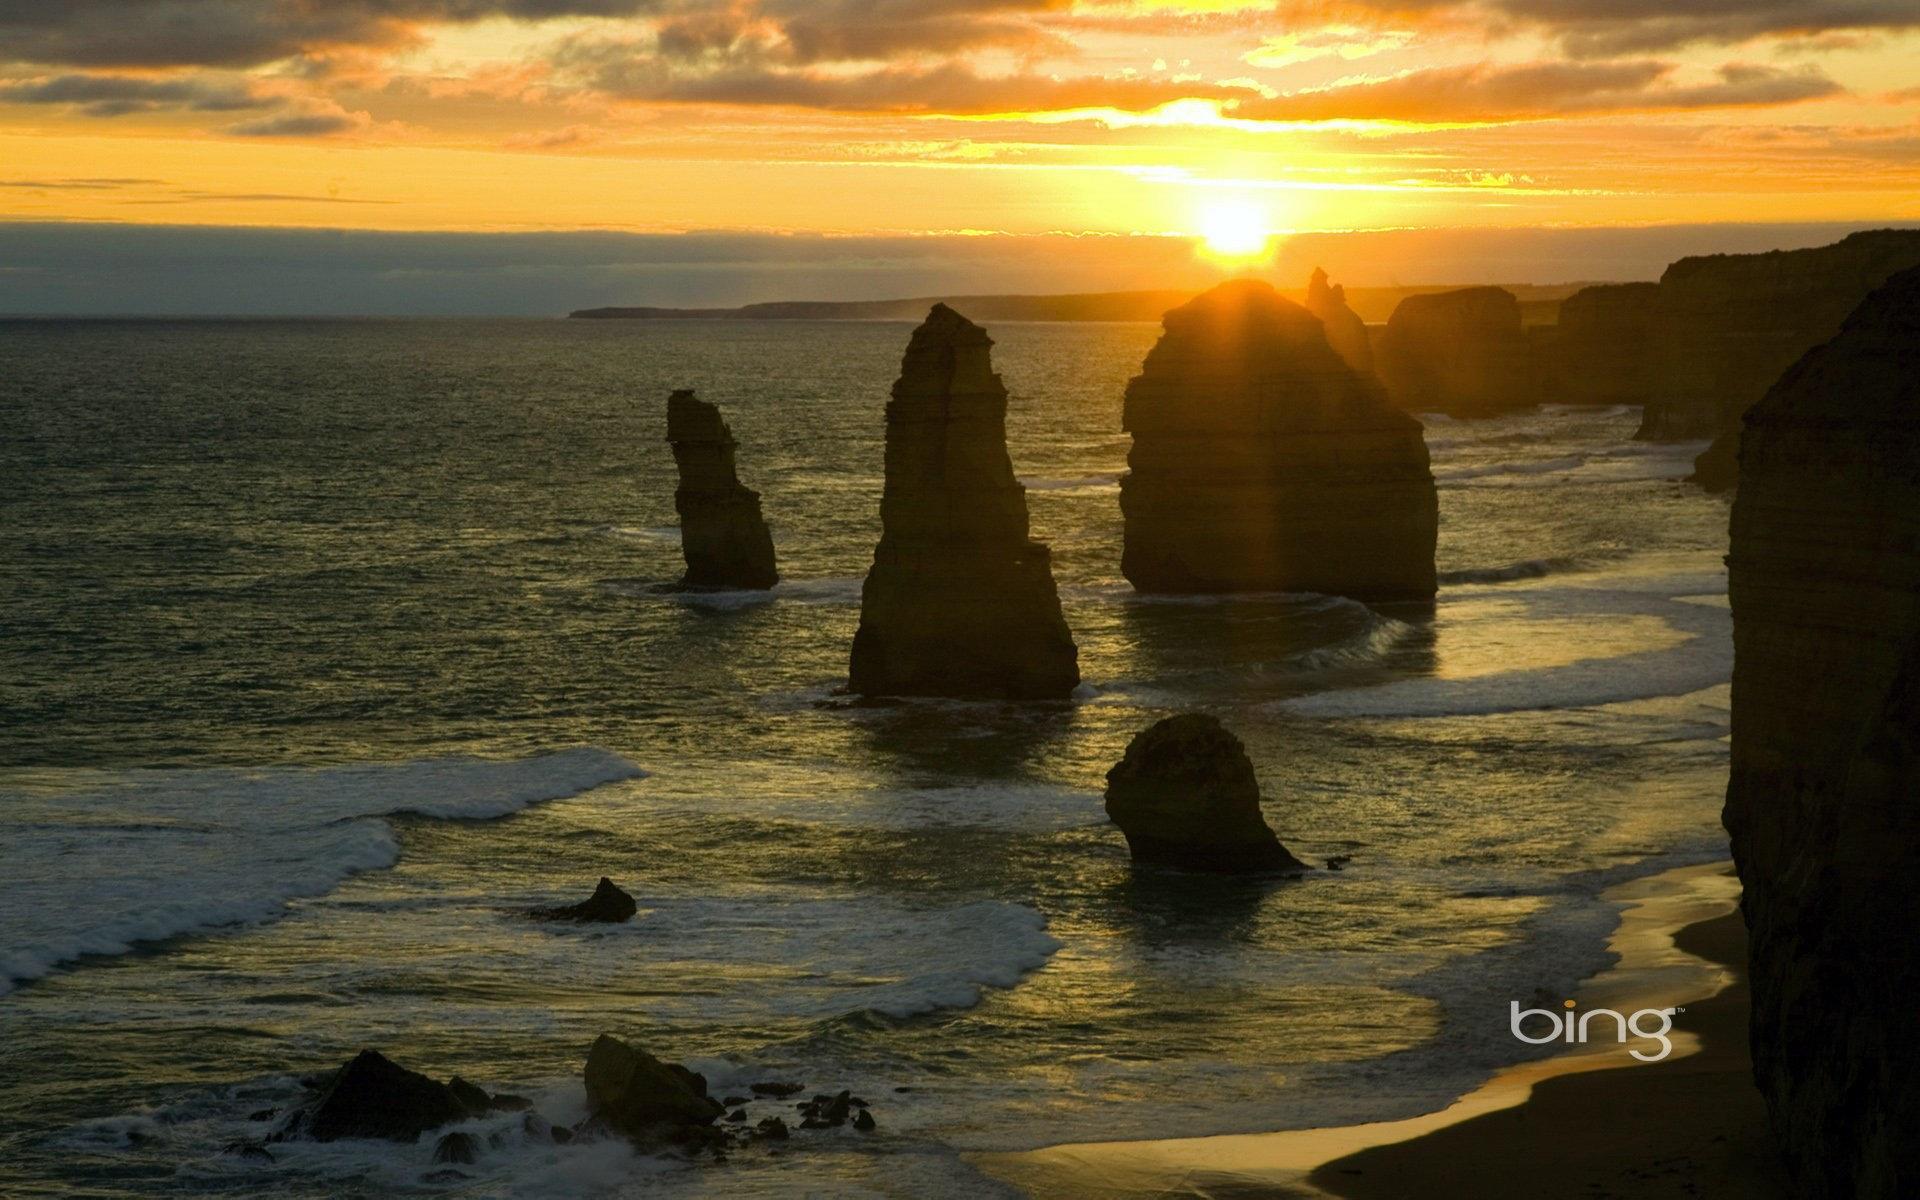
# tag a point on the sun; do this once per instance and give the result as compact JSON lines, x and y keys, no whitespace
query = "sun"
{"x":1234,"y":229}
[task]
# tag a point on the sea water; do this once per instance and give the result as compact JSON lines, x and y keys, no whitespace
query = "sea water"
{"x":327,"y":648}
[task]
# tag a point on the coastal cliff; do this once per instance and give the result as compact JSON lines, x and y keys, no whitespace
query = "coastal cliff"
{"x":1733,"y":322}
{"x":1599,"y":350}
{"x":1462,"y":352}
{"x":1824,"y":800}
{"x":1262,"y":462}
{"x":960,"y":602}
{"x":722,"y":533}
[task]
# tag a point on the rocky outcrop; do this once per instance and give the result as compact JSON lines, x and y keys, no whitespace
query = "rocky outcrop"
{"x":960,"y":602}
{"x":648,"y":1101}
{"x":722,"y":534}
{"x":1346,"y":332}
{"x":1731,"y":323}
{"x":1599,"y":350}
{"x":1824,"y":799}
{"x":608,"y":905}
{"x":1462,"y":353}
{"x":1185,"y":796}
{"x":374,"y":1097}
{"x":1261,"y":462}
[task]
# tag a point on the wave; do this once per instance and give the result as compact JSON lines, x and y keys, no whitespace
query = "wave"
{"x":1531,"y":568}
{"x":157,"y":854}
{"x":1082,"y":483}
{"x":1542,"y":466}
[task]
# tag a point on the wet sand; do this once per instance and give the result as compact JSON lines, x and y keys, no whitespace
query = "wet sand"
{"x":1592,"y":1123}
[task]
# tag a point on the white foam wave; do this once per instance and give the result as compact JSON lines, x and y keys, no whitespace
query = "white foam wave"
{"x":1532,"y":568}
{"x":150,"y":855}
{"x":1082,"y":483}
{"x":1541,"y":466}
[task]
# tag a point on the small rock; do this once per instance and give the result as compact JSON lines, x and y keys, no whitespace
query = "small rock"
{"x":735,"y":1101}
{"x":856,"y":1101}
{"x":774,"y":1128}
{"x":737,"y":1115}
{"x":863,"y":1121}
{"x":456,"y":1148}
{"x":1338,"y":861}
{"x":250,"y":1151}
{"x":774,"y":1088}
{"x":265,"y":1114}
{"x":608,"y":905}
{"x":561,"y":1135}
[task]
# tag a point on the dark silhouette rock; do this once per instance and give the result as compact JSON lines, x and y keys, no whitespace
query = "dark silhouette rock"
{"x":722,"y":535}
{"x":1733,"y":322}
{"x":864,"y":1122}
{"x":1262,"y":462}
{"x":608,"y":904}
{"x":374,"y":1097}
{"x":959,"y":602}
{"x":1824,"y":800}
{"x":1185,"y":796}
{"x":1599,"y":351}
{"x":1345,"y":331}
{"x":461,"y":1148}
{"x":1461,"y":352}
{"x":776,"y":1088}
{"x":773,"y":1129}
{"x":635,"y":1094}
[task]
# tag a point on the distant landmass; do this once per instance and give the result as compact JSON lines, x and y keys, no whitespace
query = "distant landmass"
{"x":1539,"y":305}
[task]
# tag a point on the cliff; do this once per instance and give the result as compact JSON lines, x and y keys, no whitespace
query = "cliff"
{"x":1346,"y":332}
{"x":1733,"y":322}
{"x":1262,"y":462}
{"x":722,"y":534}
{"x":1460,"y":352}
{"x":1599,"y":352}
{"x":960,"y":601}
{"x":1824,"y":800}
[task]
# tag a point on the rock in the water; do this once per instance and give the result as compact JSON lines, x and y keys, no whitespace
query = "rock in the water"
{"x":863,"y":1121}
{"x":1599,"y":351}
{"x":776,"y":1088}
{"x":1824,"y":799}
{"x":1461,"y":352}
{"x":722,"y":534}
{"x":1185,"y":795}
{"x":1346,"y":332}
{"x":373,"y":1097}
{"x":608,"y":904}
{"x":960,"y":602}
{"x":461,"y":1148}
{"x":1261,"y":462}
{"x":1731,"y":323}
{"x":635,"y":1094}
{"x":774,"y":1129}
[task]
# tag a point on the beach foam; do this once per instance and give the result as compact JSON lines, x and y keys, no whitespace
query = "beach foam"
{"x":147,"y":855}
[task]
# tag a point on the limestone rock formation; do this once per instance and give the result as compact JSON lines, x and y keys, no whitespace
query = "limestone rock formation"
{"x":635,"y":1094}
{"x":607,"y":905}
{"x":1733,"y":322}
{"x":1601,"y":349}
{"x":959,"y":602}
{"x":1262,"y":462}
{"x":1346,"y":332}
{"x":722,"y":534}
{"x":1824,"y":799}
{"x":1461,"y":352}
{"x":1185,"y":796}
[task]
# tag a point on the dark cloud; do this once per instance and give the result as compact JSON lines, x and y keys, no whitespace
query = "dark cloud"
{"x":84,"y":185}
{"x":1612,"y":27}
{"x":1540,"y":90}
{"x":116,"y":95}
{"x":317,"y":122}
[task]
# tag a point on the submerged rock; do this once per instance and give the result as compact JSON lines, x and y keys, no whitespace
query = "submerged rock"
{"x":1461,"y":352}
{"x":374,"y":1097}
{"x":1185,"y":796}
{"x":646,"y":1100}
{"x":722,"y":534}
{"x":1346,"y":332}
{"x":461,"y":1148}
{"x":608,"y":904}
{"x":959,"y":602}
{"x":1823,"y":804}
{"x":1261,"y":462}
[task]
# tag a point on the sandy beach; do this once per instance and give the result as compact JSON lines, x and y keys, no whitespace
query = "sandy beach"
{"x":1593,"y":1122}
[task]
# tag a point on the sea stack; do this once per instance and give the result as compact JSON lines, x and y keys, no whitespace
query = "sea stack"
{"x":960,"y":602}
{"x":1185,"y":796}
{"x":1262,"y":462}
{"x":1598,"y":350}
{"x":1462,"y":353}
{"x":1824,"y":800}
{"x":1346,"y":332}
{"x":722,"y":534}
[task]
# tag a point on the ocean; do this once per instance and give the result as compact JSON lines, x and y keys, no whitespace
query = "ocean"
{"x":328,"y":648}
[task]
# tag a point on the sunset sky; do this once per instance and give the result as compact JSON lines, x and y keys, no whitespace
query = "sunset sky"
{"x":917,"y":117}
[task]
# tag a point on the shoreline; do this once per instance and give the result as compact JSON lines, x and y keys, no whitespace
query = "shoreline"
{"x":1593,"y":1121}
